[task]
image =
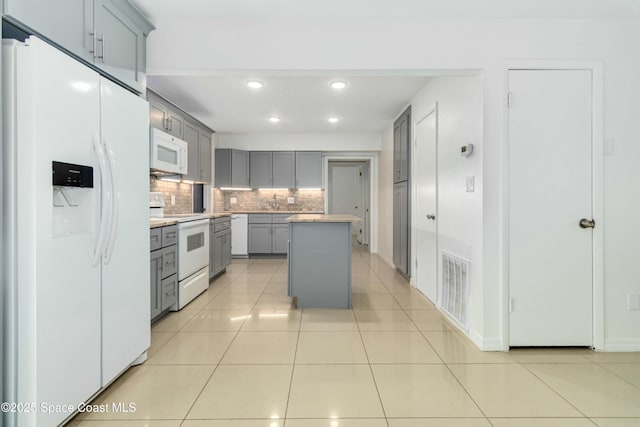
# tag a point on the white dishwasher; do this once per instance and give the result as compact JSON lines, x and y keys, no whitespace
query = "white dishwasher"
{"x":239,"y":236}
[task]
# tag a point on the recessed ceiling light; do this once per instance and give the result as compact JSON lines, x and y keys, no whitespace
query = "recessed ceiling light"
{"x":333,"y":120}
{"x":274,"y":119}
{"x":255,"y":84}
{"x":338,"y":84}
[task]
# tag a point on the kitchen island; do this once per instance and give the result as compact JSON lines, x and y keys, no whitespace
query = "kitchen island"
{"x":319,"y":260}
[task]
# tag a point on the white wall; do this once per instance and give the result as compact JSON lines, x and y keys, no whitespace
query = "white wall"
{"x":459,"y":213}
{"x":413,"y":45}
{"x":301,"y":142}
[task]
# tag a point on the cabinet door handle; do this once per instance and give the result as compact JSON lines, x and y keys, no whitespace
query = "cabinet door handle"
{"x":93,"y":45}
{"x":102,"y":40}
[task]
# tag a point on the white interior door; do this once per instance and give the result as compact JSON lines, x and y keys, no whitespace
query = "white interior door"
{"x":426,"y":134}
{"x":550,"y":191}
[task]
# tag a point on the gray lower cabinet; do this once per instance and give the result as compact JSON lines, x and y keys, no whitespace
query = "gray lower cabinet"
{"x":308,"y":169}
{"x":232,"y":168}
{"x":260,"y":238}
{"x":110,"y":34}
{"x":164,"y":268}
{"x":156,"y":283}
{"x":268,"y":233}
{"x":280,"y":238}
{"x":219,"y":246}
{"x":401,"y":228}
{"x":319,"y":264}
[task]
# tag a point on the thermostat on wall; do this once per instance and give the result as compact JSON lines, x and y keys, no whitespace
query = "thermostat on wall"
{"x":466,"y":150}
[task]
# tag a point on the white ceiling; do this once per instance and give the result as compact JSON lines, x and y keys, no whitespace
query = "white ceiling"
{"x":420,"y":9}
{"x":304,"y":102}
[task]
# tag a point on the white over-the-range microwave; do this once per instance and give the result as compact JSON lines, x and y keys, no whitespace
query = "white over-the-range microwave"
{"x":168,"y":154}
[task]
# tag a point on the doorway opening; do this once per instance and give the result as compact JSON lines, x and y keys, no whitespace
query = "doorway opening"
{"x":348,"y":194}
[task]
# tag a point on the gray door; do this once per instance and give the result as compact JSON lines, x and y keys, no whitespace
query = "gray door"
{"x":308,"y":169}
{"x":260,"y":238}
{"x":156,"y":283}
{"x":67,"y":22}
{"x":401,"y":227}
{"x":401,"y":144}
{"x":218,"y":258}
{"x":261,"y":169}
{"x":226,"y":248}
{"x":192,"y":137}
{"x":280,"y":242}
{"x":239,"y":169}
{"x":120,"y":45}
{"x":284,"y":169}
{"x":205,"y":156}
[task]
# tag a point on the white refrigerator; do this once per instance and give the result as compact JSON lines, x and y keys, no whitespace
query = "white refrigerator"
{"x":77,"y":233}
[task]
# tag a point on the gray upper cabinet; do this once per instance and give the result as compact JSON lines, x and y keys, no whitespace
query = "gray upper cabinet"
{"x":261,"y":169}
{"x":163,"y":115}
{"x":120,"y":43}
{"x":205,"y":157}
{"x":232,"y":168}
{"x":284,"y":169}
{"x":401,"y":146}
{"x":110,"y":34}
{"x":192,"y":138}
{"x":68,"y":23}
{"x":308,"y":169}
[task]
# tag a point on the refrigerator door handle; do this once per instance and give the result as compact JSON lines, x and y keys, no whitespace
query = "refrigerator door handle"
{"x":115,"y":201}
{"x":104,"y":202}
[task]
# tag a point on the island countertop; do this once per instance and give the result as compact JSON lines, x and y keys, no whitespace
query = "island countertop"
{"x":323,"y":218}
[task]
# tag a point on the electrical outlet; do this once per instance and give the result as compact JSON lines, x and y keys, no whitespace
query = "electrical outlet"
{"x":233,"y":200}
{"x":290,"y":200}
{"x":173,"y":200}
{"x":633,"y":302}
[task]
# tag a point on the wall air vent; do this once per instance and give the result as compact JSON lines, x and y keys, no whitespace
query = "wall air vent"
{"x":454,"y":289}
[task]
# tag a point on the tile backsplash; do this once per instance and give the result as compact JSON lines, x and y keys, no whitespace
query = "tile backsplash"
{"x":182,"y":192}
{"x":262,"y":200}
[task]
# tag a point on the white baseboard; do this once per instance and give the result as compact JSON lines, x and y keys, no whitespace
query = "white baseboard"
{"x":623,"y":344}
{"x":485,"y":344}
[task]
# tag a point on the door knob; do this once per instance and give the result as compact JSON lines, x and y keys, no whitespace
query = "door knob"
{"x":587,"y":223}
{"x":432,"y":217}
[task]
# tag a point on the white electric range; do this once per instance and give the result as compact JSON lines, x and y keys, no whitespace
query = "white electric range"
{"x":193,"y":249}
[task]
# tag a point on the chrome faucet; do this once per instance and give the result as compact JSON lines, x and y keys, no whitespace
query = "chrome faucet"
{"x":275,"y":202}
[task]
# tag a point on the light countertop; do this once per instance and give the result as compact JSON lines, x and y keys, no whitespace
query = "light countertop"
{"x":273,"y":212}
{"x":323,"y":218}
{"x":155,"y":223}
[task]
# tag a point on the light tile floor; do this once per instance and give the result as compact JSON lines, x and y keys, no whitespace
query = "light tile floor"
{"x":240,"y":356}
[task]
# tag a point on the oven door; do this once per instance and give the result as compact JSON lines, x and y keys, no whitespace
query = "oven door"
{"x":193,"y":247}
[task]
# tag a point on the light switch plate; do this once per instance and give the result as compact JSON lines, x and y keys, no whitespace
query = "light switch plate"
{"x":290,"y":200}
{"x":233,"y":200}
{"x":470,"y":184}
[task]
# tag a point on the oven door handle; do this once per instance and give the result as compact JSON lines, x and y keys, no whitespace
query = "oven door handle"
{"x":193,"y":224}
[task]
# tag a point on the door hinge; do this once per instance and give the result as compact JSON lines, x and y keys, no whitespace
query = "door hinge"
{"x":510,"y":305}
{"x":510,"y":99}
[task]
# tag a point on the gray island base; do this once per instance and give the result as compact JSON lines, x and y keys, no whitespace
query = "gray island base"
{"x":319,"y":260}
